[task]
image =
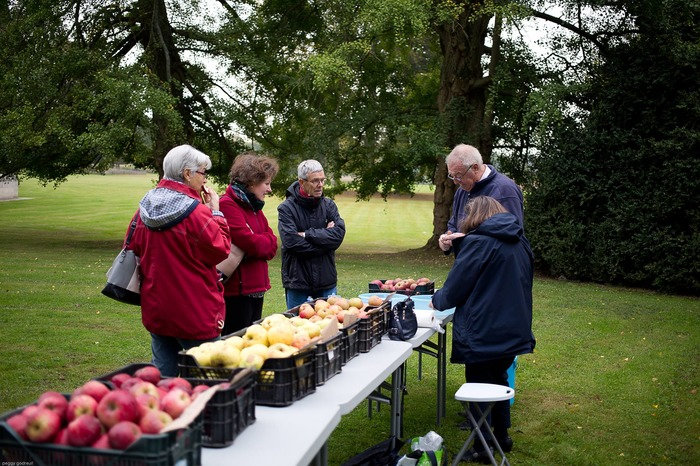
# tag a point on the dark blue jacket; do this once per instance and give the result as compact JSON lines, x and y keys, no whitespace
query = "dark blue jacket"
{"x":490,"y":285}
{"x":497,"y":186}
{"x":309,"y":263}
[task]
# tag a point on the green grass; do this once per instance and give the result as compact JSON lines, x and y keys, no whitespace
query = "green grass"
{"x":613,"y":379}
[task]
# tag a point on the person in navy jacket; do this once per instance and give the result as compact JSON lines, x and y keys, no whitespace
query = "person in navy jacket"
{"x":490,"y":285}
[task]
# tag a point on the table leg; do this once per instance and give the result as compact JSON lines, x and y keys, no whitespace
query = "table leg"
{"x":397,"y":402}
{"x":441,"y":375}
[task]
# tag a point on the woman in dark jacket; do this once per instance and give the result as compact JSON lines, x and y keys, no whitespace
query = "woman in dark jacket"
{"x":242,"y":204}
{"x":490,"y":285}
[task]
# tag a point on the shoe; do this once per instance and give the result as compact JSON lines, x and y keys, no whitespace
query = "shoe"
{"x":506,"y":443}
{"x":476,"y":456}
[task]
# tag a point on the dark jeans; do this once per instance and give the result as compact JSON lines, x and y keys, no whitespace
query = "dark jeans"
{"x":496,"y":372}
{"x":165,"y":351}
{"x":241,"y":311}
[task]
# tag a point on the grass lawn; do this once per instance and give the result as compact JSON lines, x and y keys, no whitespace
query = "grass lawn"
{"x":613,"y":379}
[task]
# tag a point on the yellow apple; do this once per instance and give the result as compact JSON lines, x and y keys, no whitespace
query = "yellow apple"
{"x":321,"y":304}
{"x":306,"y":311}
{"x":375,"y":301}
{"x":281,"y":333}
{"x":343,"y":303}
{"x":301,"y":338}
{"x":312,"y":329}
{"x":252,"y":360}
{"x":298,"y":321}
{"x":256,"y":333}
{"x":227,"y":356}
{"x":270,"y":321}
{"x":201,"y":355}
{"x":235,"y":341}
{"x":332,"y":299}
{"x":355,"y":302}
{"x":334,"y":309}
{"x":280,"y":350}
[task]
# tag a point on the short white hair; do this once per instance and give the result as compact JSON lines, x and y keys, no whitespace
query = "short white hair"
{"x":465,"y":154}
{"x":182,"y":158}
{"x":308,"y":166}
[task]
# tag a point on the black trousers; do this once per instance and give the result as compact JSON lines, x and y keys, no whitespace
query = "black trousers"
{"x":496,"y":372}
{"x":241,"y":311}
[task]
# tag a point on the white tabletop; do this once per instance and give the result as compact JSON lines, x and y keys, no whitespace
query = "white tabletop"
{"x":294,"y":434}
{"x":362,"y":374}
{"x":484,"y":392}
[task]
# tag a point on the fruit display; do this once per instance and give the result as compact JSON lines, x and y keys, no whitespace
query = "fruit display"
{"x":403,"y":285}
{"x":96,"y":417}
{"x":229,"y":411}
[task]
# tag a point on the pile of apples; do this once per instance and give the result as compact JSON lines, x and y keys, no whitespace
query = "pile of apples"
{"x":333,"y":306}
{"x":276,"y":336}
{"x":98,"y":417}
{"x":401,"y":284}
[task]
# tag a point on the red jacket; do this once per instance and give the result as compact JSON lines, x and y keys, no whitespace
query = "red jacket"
{"x":180,"y":292}
{"x":249,"y":231}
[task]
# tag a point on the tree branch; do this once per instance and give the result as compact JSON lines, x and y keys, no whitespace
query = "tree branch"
{"x":571,"y":27}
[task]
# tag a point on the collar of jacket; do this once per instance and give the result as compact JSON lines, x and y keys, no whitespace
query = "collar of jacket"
{"x":179,"y":187}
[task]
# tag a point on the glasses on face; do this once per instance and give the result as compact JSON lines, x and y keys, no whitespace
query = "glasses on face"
{"x":204,"y":174}
{"x":458,"y":178}
{"x":317,"y":182}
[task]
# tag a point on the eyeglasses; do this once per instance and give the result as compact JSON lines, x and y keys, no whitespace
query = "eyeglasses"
{"x":459,"y":177}
{"x":204,"y":174}
{"x":317,"y":182}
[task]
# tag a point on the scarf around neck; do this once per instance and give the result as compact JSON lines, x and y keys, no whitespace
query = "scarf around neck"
{"x":247,"y":197}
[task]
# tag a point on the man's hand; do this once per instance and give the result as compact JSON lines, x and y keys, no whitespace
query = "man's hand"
{"x":331,"y":224}
{"x":301,"y":233}
{"x":445,"y":240}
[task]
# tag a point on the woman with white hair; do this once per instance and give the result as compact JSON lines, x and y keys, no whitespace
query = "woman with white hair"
{"x":180,"y":237}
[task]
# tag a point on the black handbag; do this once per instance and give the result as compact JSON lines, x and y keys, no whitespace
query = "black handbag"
{"x":403,"y":324}
{"x":123,"y":278}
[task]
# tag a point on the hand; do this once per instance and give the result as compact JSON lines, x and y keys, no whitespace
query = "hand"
{"x":445,"y":240}
{"x":301,"y":233}
{"x":430,"y":305}
{"x":331,"y":224}
{"x":211,"y":199}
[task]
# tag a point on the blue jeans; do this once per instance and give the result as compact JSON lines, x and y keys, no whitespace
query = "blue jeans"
{"x":297,"y":297}
{"x":165,"y":351}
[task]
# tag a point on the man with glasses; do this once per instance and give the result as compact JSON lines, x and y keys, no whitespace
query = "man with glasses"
{"x":466,"y":169}
{"x":310,"y":229}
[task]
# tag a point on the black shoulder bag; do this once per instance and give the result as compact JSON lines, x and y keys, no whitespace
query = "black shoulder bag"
{"x":403,"y":324}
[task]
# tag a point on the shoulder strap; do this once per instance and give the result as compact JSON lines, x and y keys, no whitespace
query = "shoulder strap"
{"x":132,"y":228}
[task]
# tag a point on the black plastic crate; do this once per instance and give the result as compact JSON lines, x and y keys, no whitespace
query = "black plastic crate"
{"x":329,"y":358}
{"x":371,"y":328}
{"x":351,"y":342}
{"x":150,"y":450}
{"x":226,"y":414}
{"x":428,"y":288}
{"x":282,"y":381}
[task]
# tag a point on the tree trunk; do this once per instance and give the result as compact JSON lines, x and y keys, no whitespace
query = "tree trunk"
{"x":163,"y":60}
{"x":461,"y":100}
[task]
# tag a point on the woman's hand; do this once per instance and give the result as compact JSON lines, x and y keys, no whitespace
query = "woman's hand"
{"x":211,"y":199}
{"x":445,"y":240}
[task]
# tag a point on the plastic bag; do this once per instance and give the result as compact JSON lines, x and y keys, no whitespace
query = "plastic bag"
{"x":425,"y":451}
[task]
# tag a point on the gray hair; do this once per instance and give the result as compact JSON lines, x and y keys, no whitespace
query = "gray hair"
{"x":308,"y":166}
{"x":181,"y":158}
{"x":466,"y":154}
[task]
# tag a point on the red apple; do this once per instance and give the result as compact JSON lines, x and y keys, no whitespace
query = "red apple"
{"x":55,"y":402}
{"x":102,"y":442}
{"x":18,"y":422}
{"x":147,"y":402}
{"x":123,"y":434}
{"x":377,"y":282}
{"x":128,"y":383}
{"x":175,"y":402}
{"x":149,"y":374}
{"x":95,"y":389}
{"x":153,"y":421}
{"x":199,"y":389}
{"x":43,"y":425}
{"x":120,"y":378}
{"x":144,"y":387}
{"x":116,"y":406}
{"x":84,"y":430}
{"x":176,"y":382}
{"x":62,"y":437}
{"x":29,"y":411}
{"x":79,"y":405}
